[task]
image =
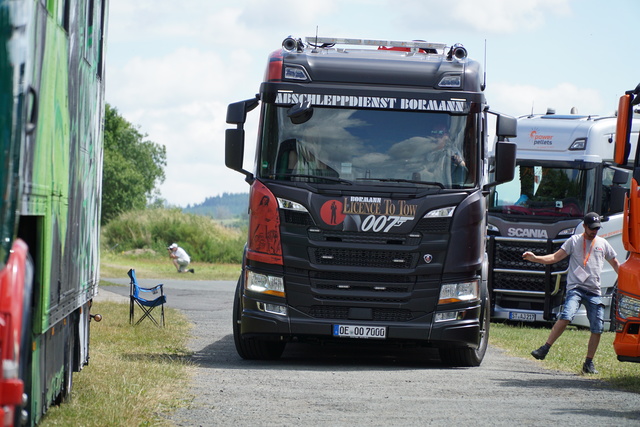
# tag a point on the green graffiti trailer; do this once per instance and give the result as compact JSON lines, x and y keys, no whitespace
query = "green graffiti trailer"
{"x":51,"y":112}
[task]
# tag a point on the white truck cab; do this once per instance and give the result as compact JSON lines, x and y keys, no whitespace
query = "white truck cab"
{"x":564,"y":170}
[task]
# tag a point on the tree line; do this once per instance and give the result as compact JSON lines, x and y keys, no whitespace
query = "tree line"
{"x":133,"y":167}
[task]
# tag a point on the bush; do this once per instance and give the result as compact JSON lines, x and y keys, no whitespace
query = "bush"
{"x":202,"y":237}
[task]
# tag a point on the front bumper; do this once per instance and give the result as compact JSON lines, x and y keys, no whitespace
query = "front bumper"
{"x":463,"y":331}
{"x":627,"y":342}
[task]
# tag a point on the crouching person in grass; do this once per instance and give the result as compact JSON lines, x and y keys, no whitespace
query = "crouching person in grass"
{"x":180,"y":258}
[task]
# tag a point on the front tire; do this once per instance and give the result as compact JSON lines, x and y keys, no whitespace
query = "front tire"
{"x":251,"y":348}
{"x":470,"y":357}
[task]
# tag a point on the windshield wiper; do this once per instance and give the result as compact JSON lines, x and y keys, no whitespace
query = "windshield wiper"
{"x":326,"y":178}
{"x":550,"y":212}
{"x":410,"y":181}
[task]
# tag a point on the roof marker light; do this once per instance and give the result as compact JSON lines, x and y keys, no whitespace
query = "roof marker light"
{"x":450,"y":80}
{"x":295,"y":73}
{"x":578,"y":144}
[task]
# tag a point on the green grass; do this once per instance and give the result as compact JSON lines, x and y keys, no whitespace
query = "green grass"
{"x":568,"y":352}
{"x":152,"y":266}
{"x":139,"y":374}
{"x":152,"y":230}
{"x":135,"y":376}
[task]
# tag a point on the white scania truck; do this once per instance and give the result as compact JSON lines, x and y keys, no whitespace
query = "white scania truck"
{"x":564,"y":170}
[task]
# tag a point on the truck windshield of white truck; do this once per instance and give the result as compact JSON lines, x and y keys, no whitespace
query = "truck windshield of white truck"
{"x":545,"y":190}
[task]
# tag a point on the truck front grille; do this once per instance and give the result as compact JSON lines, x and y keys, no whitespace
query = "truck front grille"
{"x":518,"y":282}
{"x":512,"y":273}
{"x":342,"y":313}
{"x":364,"y":238}
{"x":508,"y":255}
{"x":433,"y":225}
{"x":363,"y":258}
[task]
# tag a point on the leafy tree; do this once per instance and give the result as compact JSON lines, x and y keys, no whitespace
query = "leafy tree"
{"x":133,"y":167}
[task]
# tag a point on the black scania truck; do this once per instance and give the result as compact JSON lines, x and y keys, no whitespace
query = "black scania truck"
{"x":367,"y":211}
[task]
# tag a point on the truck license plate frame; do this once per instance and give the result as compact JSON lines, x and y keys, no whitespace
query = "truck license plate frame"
{"x":522,"y":317}
{"x":360,"y":331}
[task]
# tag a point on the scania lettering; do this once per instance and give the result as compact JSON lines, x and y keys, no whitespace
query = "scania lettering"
{"x":564,"y":169}
{"x":527,"y":232}
{"x":627,"y":297}
{"x":368,"y":199}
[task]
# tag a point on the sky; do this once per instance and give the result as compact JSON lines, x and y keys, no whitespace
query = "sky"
{"x":174,"y":66}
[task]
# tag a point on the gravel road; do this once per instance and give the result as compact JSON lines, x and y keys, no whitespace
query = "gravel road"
{"x":357,"y":385}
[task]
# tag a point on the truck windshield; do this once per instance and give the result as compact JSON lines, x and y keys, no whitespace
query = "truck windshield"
{"x":545,"y":191}
{"x":401,"y":148}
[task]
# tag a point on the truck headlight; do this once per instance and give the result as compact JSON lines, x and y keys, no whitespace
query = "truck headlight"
{"x":628,"y":306}
{"x":567,"y":232}
{"x":441,"y":213}
{"x":272,"y":285}
{"x":458,"y":292}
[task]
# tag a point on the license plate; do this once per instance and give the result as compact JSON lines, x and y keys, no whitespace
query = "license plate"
{"x":357,"y":331}
{"x":522,"y":317}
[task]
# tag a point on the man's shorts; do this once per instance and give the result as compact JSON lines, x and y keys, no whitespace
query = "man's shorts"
{"x":592,"y":303}
{"x":182,"y":263}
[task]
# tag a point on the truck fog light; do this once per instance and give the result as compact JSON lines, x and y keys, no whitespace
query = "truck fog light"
{"x":446,"y":315}
{"x":278,"y":309}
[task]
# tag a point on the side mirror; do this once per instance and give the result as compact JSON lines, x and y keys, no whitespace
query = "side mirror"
{"x":234,"y":152}
{"x":505,"y":163}
{"x":505,"y":152}
{"x":234,"y":148}
{"x":234,"y":138}
{"x":616,"y":203}
{"x":623,"y":128}
{"x":506,"y":127}
{"x":237,"y":112}
{"x":620,"y":177}
{"x":300,"y":113}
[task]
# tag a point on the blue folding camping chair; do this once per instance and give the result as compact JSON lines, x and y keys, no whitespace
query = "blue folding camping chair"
{"x":146,"y":305}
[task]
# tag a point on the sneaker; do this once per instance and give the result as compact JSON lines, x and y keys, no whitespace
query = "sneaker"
{"x":192,"y":270}
{"x":540,"y":353}
{"x":588,"y":368}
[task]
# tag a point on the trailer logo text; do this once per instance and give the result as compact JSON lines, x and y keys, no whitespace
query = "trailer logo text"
{"x":538,"y":139}
{"x":454,"y":106}
{"x":376,"y":214}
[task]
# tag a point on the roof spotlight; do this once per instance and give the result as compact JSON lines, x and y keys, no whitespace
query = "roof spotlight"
{"x":290,"y":44}
{"x":458,"y":51}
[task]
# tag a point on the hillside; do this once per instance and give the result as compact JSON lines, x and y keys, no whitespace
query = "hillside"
{"x":225,"y":206}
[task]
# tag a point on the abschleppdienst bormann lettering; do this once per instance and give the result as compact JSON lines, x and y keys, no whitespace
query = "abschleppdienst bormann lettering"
{"x":458,"y":106}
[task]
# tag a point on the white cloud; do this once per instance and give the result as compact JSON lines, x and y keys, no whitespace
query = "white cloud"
{"x":518,"y":99}
{"x":180,"y":76}
{"x":173,"y":67}
{"x":486,"y":17}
